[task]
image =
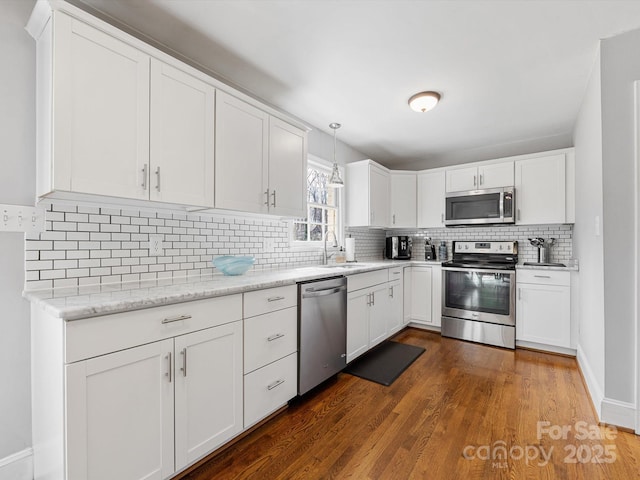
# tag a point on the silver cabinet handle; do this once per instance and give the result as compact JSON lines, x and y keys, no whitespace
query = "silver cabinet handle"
{"x":275,"y":337}
{"x":275,"y":384}
{"x":481,"y":179}
{"x":394,"y":218}
{"x":145,"y":171}
{"x":266,"y":192}
{"x":442,"y":218}
{"x":273,"y":194}
{"x":168,"y":374}
{"x":274,"y":299}
{"x":184,"y":361}
{"x":518,"y":214}
{"x":158,"y":178}
{"x":368,"y":299}
{"x":391,"y":292}
{"x":396,"y":273}
{"x":474,"y":180}
{"x":542,"y":276}
{"x":176,"y":319}
{"x":373,"y":298}
{"x":519,"y":294}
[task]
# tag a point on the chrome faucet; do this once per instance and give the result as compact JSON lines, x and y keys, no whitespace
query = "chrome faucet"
{"x":325,"y":257}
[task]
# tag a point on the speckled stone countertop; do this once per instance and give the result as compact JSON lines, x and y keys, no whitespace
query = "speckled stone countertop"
{"x":547,"y":267}
{"x":95,"y":300}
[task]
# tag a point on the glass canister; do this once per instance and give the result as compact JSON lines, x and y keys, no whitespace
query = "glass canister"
{"x":442,"y":251}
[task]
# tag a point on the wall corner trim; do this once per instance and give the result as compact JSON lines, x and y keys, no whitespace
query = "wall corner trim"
{"x":18,"y":466}
{"x":620,"y":414}
{"x":593,"y":387}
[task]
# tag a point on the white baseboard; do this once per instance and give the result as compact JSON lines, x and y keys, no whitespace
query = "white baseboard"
{"x":18,"y":466}
{"x":593,"y":387}
{"x":621,"y":414}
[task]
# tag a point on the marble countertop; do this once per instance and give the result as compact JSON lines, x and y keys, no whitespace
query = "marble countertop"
{"x":547,"y":267}
{"x":94,"y":300}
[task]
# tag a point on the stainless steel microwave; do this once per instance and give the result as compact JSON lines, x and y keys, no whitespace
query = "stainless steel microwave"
{"x":480,"y":207}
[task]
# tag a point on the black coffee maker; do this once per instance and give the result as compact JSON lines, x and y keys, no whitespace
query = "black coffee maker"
{"x":398,"y":248}
{"x":429,"y":249}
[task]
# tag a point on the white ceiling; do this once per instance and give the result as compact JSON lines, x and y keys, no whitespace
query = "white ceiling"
{"x":512,"y":74}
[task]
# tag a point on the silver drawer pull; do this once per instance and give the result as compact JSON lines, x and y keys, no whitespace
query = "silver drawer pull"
{"x":396,"y":273}
{"x":275,"y":384}
{"x":274,"y":299}
{"x":275,"y":337}
{"x":542,"y":276}
{"x":176,"y":319}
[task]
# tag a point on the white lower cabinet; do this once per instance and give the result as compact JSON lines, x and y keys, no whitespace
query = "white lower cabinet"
{"x":121,"y":408}
{"x":119,"y":413}
{"x":374,"y":309}
{"x":423,"y":295}
{"x":270,"y":351}
{"x":543,"y":308}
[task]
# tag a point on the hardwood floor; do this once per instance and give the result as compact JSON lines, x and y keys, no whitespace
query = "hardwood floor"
{"x":446,"y":417}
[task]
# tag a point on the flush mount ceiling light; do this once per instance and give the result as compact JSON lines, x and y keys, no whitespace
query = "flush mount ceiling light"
{"x":424,"y":101}
{"x":335,"y":180}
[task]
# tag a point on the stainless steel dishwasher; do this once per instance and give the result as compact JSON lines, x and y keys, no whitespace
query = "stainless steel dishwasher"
{"x":322,"y":330}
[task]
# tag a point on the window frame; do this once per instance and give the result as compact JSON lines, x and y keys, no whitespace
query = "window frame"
{"x":317,"y":162}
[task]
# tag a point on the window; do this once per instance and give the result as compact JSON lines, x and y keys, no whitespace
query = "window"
{"x":323,"y":207}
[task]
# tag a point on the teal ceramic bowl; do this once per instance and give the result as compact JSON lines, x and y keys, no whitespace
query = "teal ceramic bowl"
{"x":233,"y":265}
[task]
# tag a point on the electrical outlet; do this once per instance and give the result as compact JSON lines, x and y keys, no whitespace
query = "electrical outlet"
{"x":268,"y":245}
{"x":155,"y":245}
{"x":17,"y":218}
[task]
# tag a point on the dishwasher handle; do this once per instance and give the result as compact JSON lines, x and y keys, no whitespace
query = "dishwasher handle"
{"x":321,"y":292}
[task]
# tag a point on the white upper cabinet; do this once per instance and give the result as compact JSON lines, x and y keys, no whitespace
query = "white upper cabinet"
{"x":260,"y":160}
{"x":480,"y":177}
{"x":241,"y":155}
{"x":540,"y":190}
{"x":100,"y":131}
{"x":367,"y":194}
{"x":403,"y":200}
{"x":431,"y":199}
{"x":182,"y":133}
{"x":287,"y":169}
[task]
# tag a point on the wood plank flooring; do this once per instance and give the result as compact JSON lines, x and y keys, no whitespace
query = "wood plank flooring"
{"x":461,"y":410}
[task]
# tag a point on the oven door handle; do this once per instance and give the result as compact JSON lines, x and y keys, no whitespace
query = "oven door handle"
{"x":477,"y":270}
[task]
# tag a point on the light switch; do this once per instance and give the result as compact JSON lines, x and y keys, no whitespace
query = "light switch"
{"x":18,"y":218}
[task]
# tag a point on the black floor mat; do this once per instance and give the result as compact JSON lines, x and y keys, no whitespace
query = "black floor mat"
{"x":384,"y":363}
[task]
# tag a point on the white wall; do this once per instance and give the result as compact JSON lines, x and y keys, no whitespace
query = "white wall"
{"x":620,"y":68}
{"x":17,"y":186}
{"x":587,"y":245}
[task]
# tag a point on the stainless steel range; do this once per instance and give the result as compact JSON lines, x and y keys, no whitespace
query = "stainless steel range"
{"x":478,"y":293}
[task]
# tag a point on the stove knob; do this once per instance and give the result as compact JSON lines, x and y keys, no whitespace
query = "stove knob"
{"x":500,"y":247}
{"x":466,"y":247}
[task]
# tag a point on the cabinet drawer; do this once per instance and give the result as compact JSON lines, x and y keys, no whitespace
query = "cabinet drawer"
{"x":365,"y":280}
{"x":100,"y":335}
{"x":543,"y":277}
{"x":395,"y":273}
{"x":269,"y":388}
{"x":269,"y":337}
{"x":270,"y":300}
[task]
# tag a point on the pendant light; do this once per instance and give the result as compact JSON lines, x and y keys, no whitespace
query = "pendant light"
{"x":335,"y":180}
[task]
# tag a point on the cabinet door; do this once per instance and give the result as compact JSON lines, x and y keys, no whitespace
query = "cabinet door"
{"x":421,"y":295}
{"x":395,"y":315}
{"x":495,"y":175}
{"x":357,"y":323}
{"x":378,"y":314}
{"x":540,"y":190}
{"x":544,"y":314}
{"x":378,"y":197}
{"x":431,"y":186}
{"x":208,"y":390}
{"x":461,"y":179}
{"x":403,"y":200}
{"x":119,"y":410}
{"x":101,"y":114}
{"x":241,"y":141}
{"x":287,"y":169}
{"x":436,"y":295}
{"x":182,"y":114}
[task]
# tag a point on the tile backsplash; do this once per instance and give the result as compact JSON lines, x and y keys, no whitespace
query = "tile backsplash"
{"x":87,"y":245}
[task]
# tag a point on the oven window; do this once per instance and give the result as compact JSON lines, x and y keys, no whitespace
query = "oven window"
{"x":478,"y":292}
{"x":473,"y":206}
